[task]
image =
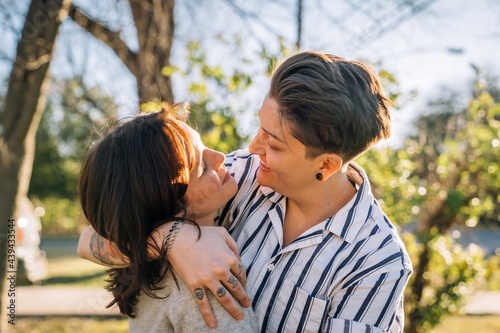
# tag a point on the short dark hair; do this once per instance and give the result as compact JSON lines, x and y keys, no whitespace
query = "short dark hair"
{"x":331,"y":104}
{"x":133,"y":181}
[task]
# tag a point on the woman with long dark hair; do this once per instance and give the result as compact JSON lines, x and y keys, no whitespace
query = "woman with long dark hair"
{"x":146,"y":172}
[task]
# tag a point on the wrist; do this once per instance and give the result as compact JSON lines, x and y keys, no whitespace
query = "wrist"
{"x":186,"y":237}
{"x":171,"y":235}
{"x":157,"y":239}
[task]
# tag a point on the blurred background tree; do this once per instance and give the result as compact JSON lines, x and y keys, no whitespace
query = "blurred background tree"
{"x":24,"y":104}
{"x":73,"y":112}
{"x":210,"y":114}
{"x":444,"y":176}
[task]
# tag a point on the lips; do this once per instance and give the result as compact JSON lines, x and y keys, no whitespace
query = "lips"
{"x":226,"y":178}
{"x":263,"y":166}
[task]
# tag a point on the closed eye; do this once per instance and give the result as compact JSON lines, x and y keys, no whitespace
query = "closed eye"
{"x":205,"y":167}
{"x":271,"y":146}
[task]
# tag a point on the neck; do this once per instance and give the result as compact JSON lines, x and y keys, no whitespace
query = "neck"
{"x":207,"y":220}
{"x":325,"y":198}
{"x":314,"y":205}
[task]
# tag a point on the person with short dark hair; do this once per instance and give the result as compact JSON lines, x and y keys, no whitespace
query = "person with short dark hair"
{"x":319,"y":253}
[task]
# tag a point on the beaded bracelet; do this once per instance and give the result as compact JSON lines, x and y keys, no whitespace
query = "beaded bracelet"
{"x":172,"y":234}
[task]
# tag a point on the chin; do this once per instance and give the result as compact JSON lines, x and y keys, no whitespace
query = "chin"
{"x":263,"y":179}
{"x":232,"y":186}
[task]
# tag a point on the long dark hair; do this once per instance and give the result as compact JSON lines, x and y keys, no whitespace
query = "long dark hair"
{"x":131,"y":182}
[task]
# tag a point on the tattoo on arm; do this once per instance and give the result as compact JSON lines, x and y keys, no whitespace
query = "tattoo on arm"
{"x":221,"y":292}
{"x":99,"y":251}
{"x":198,"y":292}
{"x":233,"y":281}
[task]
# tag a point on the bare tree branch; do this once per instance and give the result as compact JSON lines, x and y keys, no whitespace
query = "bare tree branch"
{"x":300,"y":14}
{"x":154,"y":21}
{"x":335,"y":20}
{"x":415,"y":9}
{"x":377,"y":28}
{"x":107,"y":36}
{"x":248,"y":16}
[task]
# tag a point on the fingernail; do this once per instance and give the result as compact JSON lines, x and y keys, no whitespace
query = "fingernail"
{"x":211,"y":324}
{"x":241,"y":316}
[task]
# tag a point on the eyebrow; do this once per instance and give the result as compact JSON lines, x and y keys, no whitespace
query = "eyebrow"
{"x":272,"y":134}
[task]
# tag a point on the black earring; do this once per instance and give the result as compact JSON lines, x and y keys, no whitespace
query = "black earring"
{"x":319,"y":176}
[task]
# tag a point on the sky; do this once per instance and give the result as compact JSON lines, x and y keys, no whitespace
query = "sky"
{"x":419,"y":52}
{"x":424,"y":52}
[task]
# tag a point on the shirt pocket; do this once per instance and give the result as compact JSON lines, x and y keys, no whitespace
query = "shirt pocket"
{"x":297,"y":311}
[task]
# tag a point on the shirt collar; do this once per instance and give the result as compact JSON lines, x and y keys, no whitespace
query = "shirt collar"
{"x":271,"y":194}
{"x":350,"y":218}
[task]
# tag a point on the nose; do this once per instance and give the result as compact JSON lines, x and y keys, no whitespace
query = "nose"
{"x":218,"y":159}
{"x":255,"y":146}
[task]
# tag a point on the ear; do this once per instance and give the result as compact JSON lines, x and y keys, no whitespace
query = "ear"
{"x":330,"y":164}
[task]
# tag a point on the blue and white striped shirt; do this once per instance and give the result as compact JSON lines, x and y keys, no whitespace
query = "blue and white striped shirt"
{"x":345,"y":274}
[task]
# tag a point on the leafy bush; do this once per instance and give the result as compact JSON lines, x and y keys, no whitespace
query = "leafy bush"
{"x":62,"y":215}
{"x":449,"y":279}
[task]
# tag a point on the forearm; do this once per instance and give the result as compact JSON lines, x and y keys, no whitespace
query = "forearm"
{"x":211,"y":262}
{"x":99,"y":250}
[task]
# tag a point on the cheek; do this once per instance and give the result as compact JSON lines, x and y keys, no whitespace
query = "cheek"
{"x":204,"y":195}
{"x":279,"y":164}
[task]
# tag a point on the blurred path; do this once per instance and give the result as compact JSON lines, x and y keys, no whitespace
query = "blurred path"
{"x":63,"y":301}
{"x":56,"y":247}
{"x":92,"y":301}
{"x":484,"y":302}
{"x":487,"y":238}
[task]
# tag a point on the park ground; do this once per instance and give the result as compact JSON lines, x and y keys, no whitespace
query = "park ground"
{"x":47,"y":308}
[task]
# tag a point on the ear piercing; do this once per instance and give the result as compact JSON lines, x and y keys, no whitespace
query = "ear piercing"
{"x":319,"y":176}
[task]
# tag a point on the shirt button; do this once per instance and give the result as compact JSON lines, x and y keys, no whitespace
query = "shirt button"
{"x":270,"y":267}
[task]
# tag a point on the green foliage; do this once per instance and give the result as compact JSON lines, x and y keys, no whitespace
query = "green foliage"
{"x":449,"y":278}
{"x":210,"y":89}
{"x":272,"y":59}
{"x":62,"y":215}
{"x":444,"y":175}
{"x":392,"y":88}
{"x":390,"y":172}
{"x":72,"y":112}
{"x":53,"y":173}
{"x":492,"y":277}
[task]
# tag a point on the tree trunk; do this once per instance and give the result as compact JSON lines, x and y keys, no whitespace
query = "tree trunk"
{"x":154,"y":20}
{"x":436,"y":217}
{"x":418,"y":286}
{"x":24,"y":105}
{"x":300,"y":14}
